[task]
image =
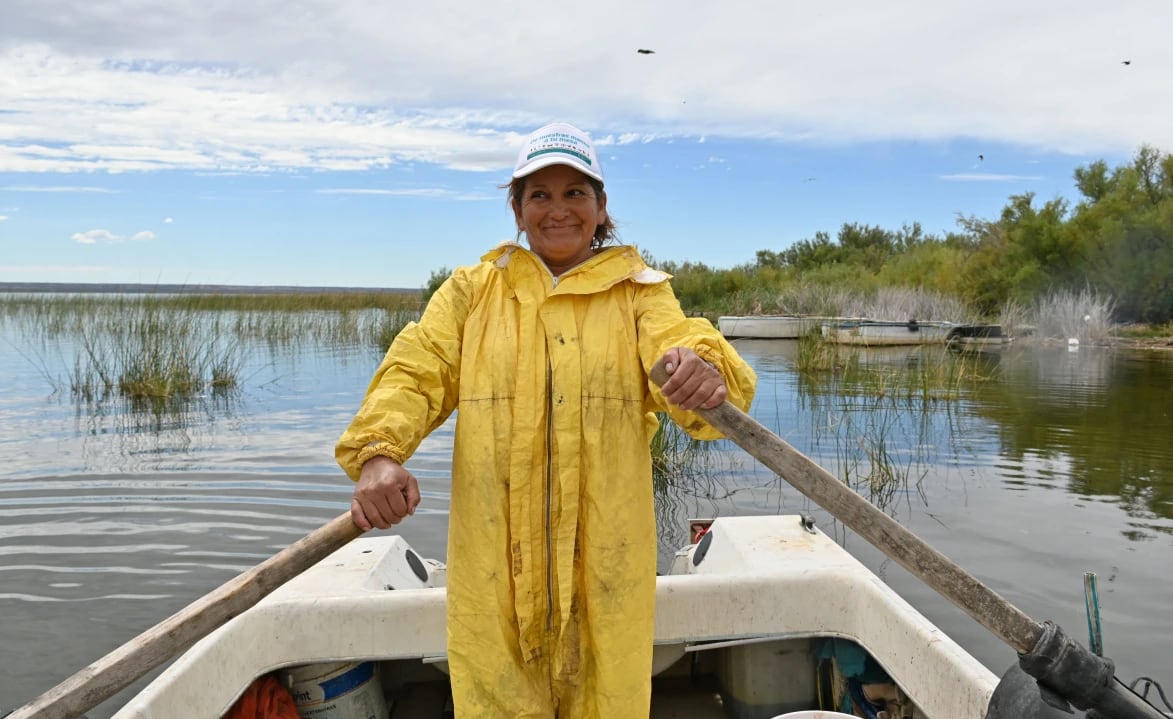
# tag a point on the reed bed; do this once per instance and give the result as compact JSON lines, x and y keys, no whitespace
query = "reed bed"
{"x":908,"y":303}
{"x":866,"y":462}
{"x":927,"y":373}
{"x":866,"y":395}
{"x":56,"y":304}
{"x":1084,"y":316}
{"x":161,"y":348}
{"x":686,"y":475}
{"x":882,"y":441}
{"x":1145,"y":331}
{"x":890,"y":303}
{"x":676,"y":456}
{"x":803,"y":298}
{"x":1014,"y":317}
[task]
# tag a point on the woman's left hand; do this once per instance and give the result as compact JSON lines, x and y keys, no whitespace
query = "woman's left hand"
{"x":692,"y":382}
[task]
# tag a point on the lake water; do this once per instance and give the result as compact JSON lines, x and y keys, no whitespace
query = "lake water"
{"x":1060,"y":464}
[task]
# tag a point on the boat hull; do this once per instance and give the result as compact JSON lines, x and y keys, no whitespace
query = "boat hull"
{"x":978,"y":336}
{"x":875,"y":333}
{"x":771,"y":327}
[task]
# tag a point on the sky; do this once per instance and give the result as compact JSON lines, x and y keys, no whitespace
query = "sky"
{"x":357,"y":143}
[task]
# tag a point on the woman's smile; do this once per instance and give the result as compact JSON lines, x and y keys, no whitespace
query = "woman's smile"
{"x":559,"y":212}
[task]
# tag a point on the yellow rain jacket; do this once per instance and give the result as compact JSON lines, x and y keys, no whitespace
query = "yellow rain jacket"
{"x":551,"y":539}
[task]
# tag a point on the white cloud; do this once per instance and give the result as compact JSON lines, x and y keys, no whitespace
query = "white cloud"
{"x":3,"y":218}
{"x":93,"y":237}
{"x":255,"y":87}
{"x":167,"y":220}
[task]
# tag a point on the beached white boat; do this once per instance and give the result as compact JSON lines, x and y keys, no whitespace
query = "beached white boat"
{"x":771,"y":327}
{"x":874,"y":333}
{"x":755,"y":620}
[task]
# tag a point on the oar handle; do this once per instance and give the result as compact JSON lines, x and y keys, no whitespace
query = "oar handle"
{"x":113,"y":672}
{"x":910,"y":551}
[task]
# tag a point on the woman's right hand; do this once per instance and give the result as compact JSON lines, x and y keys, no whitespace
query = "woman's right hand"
{"x":385,"y":493}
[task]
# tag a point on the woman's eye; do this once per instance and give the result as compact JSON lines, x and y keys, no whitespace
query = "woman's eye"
{"x":538,"y":195}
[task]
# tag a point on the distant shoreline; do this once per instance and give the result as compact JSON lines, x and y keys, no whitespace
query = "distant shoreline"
{"x":134,"y":288}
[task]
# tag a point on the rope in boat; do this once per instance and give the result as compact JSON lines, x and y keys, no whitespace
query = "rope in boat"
{"x":1150,"y":683}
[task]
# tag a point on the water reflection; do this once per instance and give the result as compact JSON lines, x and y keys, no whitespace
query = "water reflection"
{"x":1097,"y":422}
{"x":114,"y":516}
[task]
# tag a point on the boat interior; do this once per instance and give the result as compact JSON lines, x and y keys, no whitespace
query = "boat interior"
{"x":760,"y":617}
{"x":741,"y":679}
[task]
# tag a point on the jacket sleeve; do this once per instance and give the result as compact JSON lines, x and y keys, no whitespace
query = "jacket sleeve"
{"x":661,"y":325}
{"x":416,"y":386}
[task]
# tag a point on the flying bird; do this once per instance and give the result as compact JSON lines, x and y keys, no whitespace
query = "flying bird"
{"x":642,"y":51}
{"x":1126,"y":62}
{"x":981,"y":158}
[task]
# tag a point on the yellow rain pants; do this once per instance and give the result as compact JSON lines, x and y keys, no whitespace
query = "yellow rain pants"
{"x":551,"y":539}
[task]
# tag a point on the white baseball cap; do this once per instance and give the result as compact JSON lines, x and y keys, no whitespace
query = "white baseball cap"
{"x":558,"y":144}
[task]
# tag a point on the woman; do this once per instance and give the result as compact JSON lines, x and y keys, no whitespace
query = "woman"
{"x":546,"y":353}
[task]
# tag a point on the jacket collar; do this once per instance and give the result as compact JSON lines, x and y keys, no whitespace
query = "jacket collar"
{"x":608,"y":267}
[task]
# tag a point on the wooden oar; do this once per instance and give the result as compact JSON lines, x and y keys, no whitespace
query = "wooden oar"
{"x":113,"y":672}
{"x":994,"y":612}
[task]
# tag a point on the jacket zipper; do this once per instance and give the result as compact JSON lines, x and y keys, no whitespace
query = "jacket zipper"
{"x":549,"y":492}
{"x":549,"y":483}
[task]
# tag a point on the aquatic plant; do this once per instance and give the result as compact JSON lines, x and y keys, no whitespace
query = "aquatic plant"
{"x":1085,"y":316}
{"x":160,"y":346}
{"x":146,"y":352}
{"x":922,"y":373}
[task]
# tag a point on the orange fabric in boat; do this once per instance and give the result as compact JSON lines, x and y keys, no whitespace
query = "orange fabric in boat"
{"x":265,"y":698}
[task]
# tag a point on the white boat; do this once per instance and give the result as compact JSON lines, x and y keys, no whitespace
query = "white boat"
{"x":752,"y":622}
{"x":771,"y":327}
{"x":874,"y":333}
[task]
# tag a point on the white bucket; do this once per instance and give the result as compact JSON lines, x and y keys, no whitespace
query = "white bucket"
{"x":815,"y":714}
{"x":340,"y":690}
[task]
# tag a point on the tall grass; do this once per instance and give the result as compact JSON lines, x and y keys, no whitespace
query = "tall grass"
{"x":803,"y":298}
{"x":816,"y":355}
{"x":882,"y":441}
{"x":866,"y":462}
{"x":907,"y":303}
{"x":147,"y":353}
{"x":1085,"y":316}
{"x":1145,"y":331}
{"x":1014,"y":318}
{"x":675,"y":455}
{"x":177,"y":347}
{"x":891,"y":303}
{"x":926,"y":373}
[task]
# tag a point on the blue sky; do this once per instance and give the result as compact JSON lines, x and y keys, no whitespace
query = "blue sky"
{"x":348,"y":143}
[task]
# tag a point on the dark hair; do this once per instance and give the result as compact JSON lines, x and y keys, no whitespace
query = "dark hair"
{"x":604,"y":233}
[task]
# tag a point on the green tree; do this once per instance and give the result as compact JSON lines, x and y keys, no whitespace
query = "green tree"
{"x":1125,"y":225}
{"x":434,"y":281}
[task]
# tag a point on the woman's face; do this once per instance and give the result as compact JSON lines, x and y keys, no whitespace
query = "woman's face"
{"x":559,"y":211}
